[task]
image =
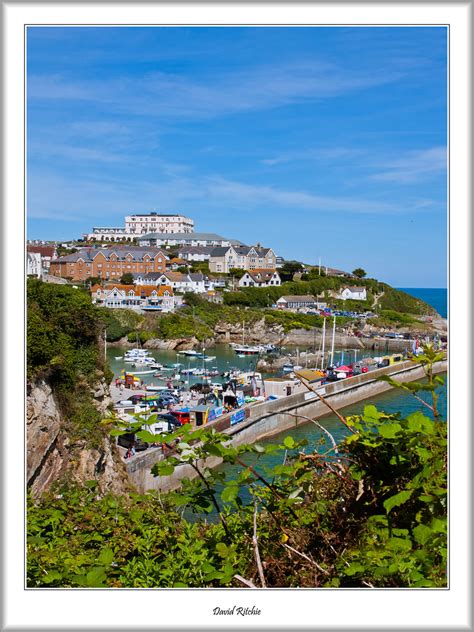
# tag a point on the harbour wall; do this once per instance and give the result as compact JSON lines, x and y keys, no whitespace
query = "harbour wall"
{"x":272,"y":417}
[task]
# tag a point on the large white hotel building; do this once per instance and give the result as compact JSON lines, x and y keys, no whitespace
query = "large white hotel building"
{"x":136,"y":225}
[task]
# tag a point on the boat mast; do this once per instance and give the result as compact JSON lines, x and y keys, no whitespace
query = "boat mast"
{"x":333,"y":337}
{"x":324,"y":342}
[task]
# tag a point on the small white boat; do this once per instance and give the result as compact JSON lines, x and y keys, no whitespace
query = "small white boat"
{"x":247,"y":350}
{"x":118,"y":357}
{"x":209,"y":358}
{"x":141,"y":372}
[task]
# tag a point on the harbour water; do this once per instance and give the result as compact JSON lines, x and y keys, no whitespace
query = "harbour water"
{"x":391,"y":402}
{"x":225,"y":359}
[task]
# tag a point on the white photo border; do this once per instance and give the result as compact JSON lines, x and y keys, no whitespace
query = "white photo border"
{"x":191,"y":609}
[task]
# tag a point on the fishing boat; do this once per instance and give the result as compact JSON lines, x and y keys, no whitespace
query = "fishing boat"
{"x":118,"y":357}
{"x":209,"y":358}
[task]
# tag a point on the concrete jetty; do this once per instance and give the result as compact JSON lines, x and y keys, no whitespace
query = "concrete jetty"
{"x":271,"y":417}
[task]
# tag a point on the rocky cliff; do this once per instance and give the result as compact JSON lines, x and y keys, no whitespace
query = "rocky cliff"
{"x":257,"y":333}
{"x":52,"y":457}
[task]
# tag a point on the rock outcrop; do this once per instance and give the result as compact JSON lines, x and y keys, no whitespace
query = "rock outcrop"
{"x":258,"y":333}
{"x":51,"y":457}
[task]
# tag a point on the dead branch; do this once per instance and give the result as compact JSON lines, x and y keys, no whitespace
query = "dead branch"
{"x":255,"y":548}
{"x":324,"y":400}
{"x":360,"y":491}
{"x":320,"y":568}
{"x":244,"y":581}
{"x":316,"y":423}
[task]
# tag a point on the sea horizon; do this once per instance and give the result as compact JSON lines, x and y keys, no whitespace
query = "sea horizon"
{"x":437,"y":297}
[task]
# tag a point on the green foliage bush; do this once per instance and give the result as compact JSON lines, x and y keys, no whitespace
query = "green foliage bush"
{"x":63,"y":331}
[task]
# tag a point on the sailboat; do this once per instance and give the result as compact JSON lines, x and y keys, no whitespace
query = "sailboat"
{"x":243,"y":349}
{"x":333,"y":339}
{"x":323,"y":343}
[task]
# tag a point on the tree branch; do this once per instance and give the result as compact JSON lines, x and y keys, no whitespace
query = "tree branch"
{"x":330,"y":406}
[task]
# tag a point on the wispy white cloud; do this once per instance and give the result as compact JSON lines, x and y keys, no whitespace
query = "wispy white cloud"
{"x":258,"y":196}
{"x":72,"y":153}
{"x":161,"y":94}
{"x":326,"y":154}
{"x":89,"y":198}
{"x":413,"y":167}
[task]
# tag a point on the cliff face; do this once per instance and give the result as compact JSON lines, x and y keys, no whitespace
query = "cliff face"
{"x":258,"y":332}
{"x":50,"y":455}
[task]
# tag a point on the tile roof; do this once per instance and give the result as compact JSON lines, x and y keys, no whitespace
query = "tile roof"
{"x":174,"y":276}
{"x":196,"y":250}
{"x":219,"y":251}
{"x":298,"y":299}
{"x":197,"y":276}
{"x":355,"y":288}
{"x":138,"y":290}
{"x":178,"y":236}
{"x":44,"y":251}
{"x":261,"y":274}
{"x":88,"y":254}
{"x":147,"y":275}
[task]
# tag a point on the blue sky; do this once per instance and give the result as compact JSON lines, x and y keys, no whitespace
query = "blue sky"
{"x":319,"y":142}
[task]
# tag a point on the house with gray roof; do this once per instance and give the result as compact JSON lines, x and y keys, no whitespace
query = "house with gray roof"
{"x":243,"y":257}
{"x":183,"y":239}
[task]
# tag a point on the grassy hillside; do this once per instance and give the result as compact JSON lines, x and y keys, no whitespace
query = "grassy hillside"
{"x":390,"y":298}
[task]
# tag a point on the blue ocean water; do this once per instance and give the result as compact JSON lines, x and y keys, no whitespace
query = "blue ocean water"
{"x":437,"y":297}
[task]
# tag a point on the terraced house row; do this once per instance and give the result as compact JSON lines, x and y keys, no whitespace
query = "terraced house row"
{"x":109,"y":263}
